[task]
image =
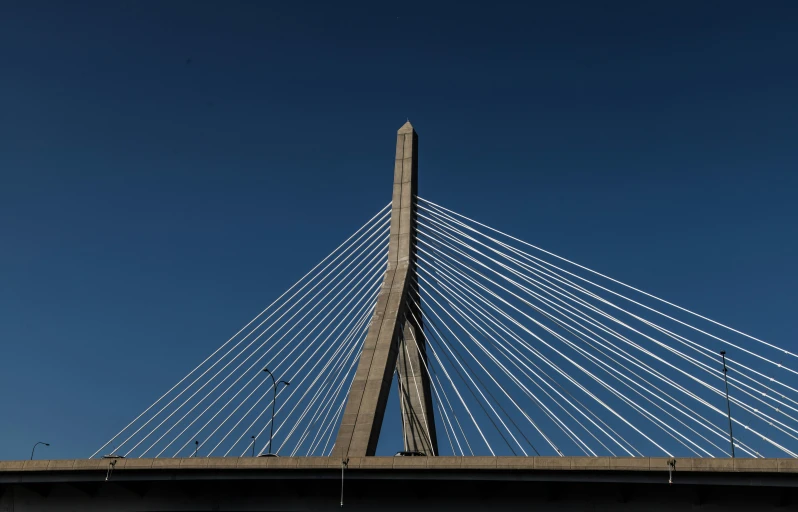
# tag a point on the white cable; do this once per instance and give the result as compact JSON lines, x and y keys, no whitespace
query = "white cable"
{"x":668,"y":333}
{"x":335,"y":420}
{"x":350,"y":340}
{"x":369,"y":305}
{"x":327,"y":401}
{"x":348,"y":375}
{"x":624,"y":285}
{"x":336,"y":307}
{"x":346,"y":354}
{"x":239,"y":332}
{"x":241,"y":352}
{"x":647,"y":414}
{"x":457,"y":392}
{"x":257,"y":364}
{"x":677,"y":337}
{"x":612,"y":369}
{"x":489,"y":373}
{"x":446,"y":397}
{"x":246,"y":359}
{"x":314,"y":444}
{"x":441,"y":410}
{"x":418,"y":393}
{"x":217,"y":398}
{"x":692,"y":360}
{"x":519,"y":340}
{"x":401,"y":409}
{"x":453,"y":356}
{"x":590,"y":356}
{"x":579,"y":367}
{"x":304,"y":325}
{"x":548,"y":412}
{"x":359,"y":334}
{"x":533,"y":294}
{"x":690,"y":376}
{"x":505,"y":351}
{"x":327,"y":398}
{"x":526,"y":290}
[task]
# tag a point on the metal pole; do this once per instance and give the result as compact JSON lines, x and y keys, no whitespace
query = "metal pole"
{"x":253,"y":446}
{"x":728,"y":405}
{"x":274,"y":387}
{"x":275,"y":401}
{"x":34,"y":448}
{"x":344,"y":463}
{"x":271,"y":430}
{"x":274,"y":404}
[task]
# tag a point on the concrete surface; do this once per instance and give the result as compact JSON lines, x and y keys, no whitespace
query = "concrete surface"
{"x":593,"y":464}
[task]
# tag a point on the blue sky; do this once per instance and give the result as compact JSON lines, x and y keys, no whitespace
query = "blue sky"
{"x":168,"y":170}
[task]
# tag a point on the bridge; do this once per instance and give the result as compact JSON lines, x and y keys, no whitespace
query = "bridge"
{"x":522,"y":379}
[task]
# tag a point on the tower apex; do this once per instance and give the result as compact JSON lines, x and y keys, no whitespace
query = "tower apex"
{"x":406,"y":128}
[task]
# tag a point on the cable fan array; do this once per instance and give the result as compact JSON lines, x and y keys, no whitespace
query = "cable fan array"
{"x":530,"y":353}
{"x":526,"y":353}
{"x":311,"y":336}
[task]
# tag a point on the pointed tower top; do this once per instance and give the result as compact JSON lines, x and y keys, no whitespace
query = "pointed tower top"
{"x":406,"y":128}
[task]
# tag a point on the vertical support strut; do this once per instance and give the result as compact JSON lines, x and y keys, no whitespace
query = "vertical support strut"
{"x":391,"y":322}
{"x":728,"y":405}
{"x":414,"y":387}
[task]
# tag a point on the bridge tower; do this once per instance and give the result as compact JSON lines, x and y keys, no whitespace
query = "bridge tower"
{"x":395,"y":339}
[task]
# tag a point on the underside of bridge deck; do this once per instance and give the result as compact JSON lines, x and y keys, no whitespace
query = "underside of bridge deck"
{"x":381,"y":483}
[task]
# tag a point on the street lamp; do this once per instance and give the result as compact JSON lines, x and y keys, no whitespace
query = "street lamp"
{"x":728,"y":407}
{"x":253,"y":446}
{"x":34,"y":448}
{"x":274,"y":403}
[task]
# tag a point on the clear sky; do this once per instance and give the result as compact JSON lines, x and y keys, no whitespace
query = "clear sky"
{"x":167,"y":169}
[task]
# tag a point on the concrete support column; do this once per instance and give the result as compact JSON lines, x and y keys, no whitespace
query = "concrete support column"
{"x":418,"y":421}
{"x":365,"y":406}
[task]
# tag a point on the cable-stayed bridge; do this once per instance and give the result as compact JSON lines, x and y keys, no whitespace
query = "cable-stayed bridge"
{"x":534,"y":378}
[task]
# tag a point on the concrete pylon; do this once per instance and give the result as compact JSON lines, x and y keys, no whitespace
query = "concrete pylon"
{"x":392,"y":322}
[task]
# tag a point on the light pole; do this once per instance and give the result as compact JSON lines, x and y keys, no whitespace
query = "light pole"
{"x":34,"y":448}
{"x":253,"y":446}
{"x":728,"y":407}
{"x":274,"y":403}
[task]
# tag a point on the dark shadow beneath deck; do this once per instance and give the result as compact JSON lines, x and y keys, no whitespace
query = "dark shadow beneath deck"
{"x":398,"y":490}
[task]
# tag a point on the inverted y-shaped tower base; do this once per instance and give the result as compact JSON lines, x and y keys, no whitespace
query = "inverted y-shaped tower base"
{"x":395,"y":339}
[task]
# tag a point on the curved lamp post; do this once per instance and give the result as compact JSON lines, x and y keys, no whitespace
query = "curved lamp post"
{"x":34,"y":448}
{"x":274,"y":403}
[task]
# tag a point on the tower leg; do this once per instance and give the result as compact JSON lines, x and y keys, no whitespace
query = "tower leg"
{"x":414,"y":388}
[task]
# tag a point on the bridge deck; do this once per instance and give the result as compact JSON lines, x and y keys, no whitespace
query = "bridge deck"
{"x":547,"y":484}
{"x":646,"y":464}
